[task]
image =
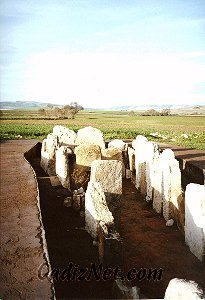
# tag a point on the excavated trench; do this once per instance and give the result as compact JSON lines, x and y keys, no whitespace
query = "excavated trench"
{"x":148,"y":245}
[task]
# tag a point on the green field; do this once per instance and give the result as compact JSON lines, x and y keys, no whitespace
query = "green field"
{"x":187,"y":131}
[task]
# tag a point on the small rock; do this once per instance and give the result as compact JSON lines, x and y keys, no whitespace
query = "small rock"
{"x":170,"y":223}
{"x":67,"y":202}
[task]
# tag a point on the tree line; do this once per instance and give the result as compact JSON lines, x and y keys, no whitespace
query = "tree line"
{"x":67,"y":111}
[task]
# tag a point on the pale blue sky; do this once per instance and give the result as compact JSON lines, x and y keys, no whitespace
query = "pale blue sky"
{"x":103,"y":53}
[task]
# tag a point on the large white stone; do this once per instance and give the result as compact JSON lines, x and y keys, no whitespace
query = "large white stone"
{"x":48,"y":151}
{"x":65,"y":135}
{"x":86,"y":154}
{"x":140,"y":163}
{"x":90,"y":135}
{"x":118,"y":144}
{"x":183,"y":290}
{"x":62,"y":165}
{"x":109,"y":174}
{"x":195,"y":219}
{"x":96,"y":209}
{"x":131,"y":157}
{"x":152,"y":158}
{"x":171,"y":183}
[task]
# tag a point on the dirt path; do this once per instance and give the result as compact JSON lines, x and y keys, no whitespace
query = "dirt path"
{"x":21,"y":244}
{"x":150,"y":244}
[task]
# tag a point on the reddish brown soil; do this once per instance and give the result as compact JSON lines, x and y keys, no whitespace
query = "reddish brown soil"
{"x":149,"y":244}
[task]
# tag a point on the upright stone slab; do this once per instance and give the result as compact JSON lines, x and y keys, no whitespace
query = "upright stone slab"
{"x":171,"y":184}
{"x":118,"y":144}
{"x":90,"y":135}
{"x":62,"y":165}
{"x":86,"y":154}
{"x":109,"y":174}
{"x":131,"y":160}
{"x":65,"y":135}
{"x":157,"y":184}
{"x":140,"y":164}
{"x":96,"y":209}
{"x":183,"y":289}
{"x":195,"y":219}
{"x":48,"y":150}
{"x":152,"y":156}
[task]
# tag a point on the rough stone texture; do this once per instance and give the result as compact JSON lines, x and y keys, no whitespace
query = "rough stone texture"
{"x":171,"y":184}
{"x":195,"y":219}
{"x":90,"y":135}
{"x":86,"y":154}
{"x":152,"y":157}
{"x":65,"y":135}
{"x":183,"y":289}
{"x":109,"y":174}
{"x":80,"y":177}
{"x":96,"y":209}
{"x":23,"y":245}
{"x":112,"y":154}
{"x":157,"y":186}
{"x":118,"y":144}
{"x":140,"y":163}
{"x":125,"y":290}
{"x":62,"y":165}
{"x":131,"y":156}
{"x":48,"y":150}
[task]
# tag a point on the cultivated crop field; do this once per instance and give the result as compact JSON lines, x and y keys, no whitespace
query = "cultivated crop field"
{"x":186,"y":131}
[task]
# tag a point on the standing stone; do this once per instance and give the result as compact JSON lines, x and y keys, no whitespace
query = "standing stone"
{"x":131,"y":156}
{"x":109,"y":174}
{"x":195,"y":219}
{"x":157,"y":186}
{"x":140,"y":163}
{"x":171,"y":184}
{"x":90,"y":135}
{"x":65,"y":135}
{"x":118,"y":144}
{"x":183,"y":289}
{"x":62,"y":165}
{"x":96,"y":209}
{"x":152,"y":155}
{"x":48,"y":150}
{"x":86,"y":154}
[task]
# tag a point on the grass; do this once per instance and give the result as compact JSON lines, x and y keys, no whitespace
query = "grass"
{"x":186,"y":131}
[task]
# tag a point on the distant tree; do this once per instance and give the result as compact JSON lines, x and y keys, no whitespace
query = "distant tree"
{"x":72,"y":109}
{"x":165,"y":112}
{"x":151,"y":112}
{"x":131,"y":113}
{"x":42,"y":111}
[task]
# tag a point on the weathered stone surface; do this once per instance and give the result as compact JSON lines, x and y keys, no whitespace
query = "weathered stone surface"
{"x":131,"y":156}
{"x":140,"y":163}
{"x":112,"y":154}
{"x":171,"y":183}
{"x":86,"y":154}
{"x":183,"y":289}
{"x":62,"y":165}
{"x":195,"y":219}
{"x":48,"y":150}
{"x":139,"y":138}
{"x":96,"y":209}
{"x":80,"y":177}
{"x":119,"y":144}
{"x":65,"y":135}
{"x":90,"y":135}
{"x":152,"y":158}
{"x":109,"y":174}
